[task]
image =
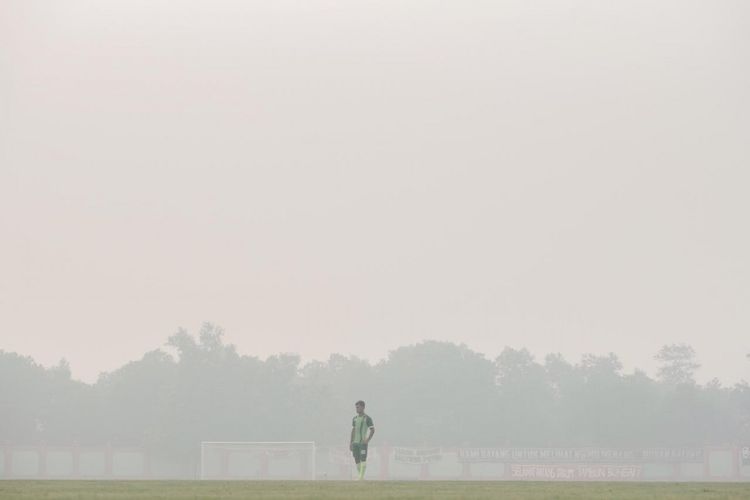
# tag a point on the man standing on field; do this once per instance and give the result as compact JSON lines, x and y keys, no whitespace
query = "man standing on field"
{"x":362,"y":431}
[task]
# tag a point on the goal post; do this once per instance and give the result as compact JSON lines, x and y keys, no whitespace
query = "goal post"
{"x":250,"y":460}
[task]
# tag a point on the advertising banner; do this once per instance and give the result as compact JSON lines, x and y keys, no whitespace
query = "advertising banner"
{"x":417,"y":455}
{"x":576,"y":472}
{"x":580,"y":455}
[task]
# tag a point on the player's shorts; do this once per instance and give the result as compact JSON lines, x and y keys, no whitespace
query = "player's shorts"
{"x":359,"y":451}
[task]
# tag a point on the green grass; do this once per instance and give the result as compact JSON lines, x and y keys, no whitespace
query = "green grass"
{"x":27,"y":490}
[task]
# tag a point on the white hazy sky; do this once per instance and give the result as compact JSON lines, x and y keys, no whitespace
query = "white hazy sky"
{"x":323,"y":176}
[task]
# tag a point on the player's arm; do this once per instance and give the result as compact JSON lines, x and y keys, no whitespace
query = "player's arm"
{"x":372,"y":430}
{"x":351,"y":439}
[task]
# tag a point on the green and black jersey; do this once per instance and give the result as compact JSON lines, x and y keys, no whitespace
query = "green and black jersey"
{"x":361,"y":424}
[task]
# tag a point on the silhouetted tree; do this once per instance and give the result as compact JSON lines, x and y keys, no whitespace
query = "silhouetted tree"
{"x":200,"y":389}
{"x":678,"y":364}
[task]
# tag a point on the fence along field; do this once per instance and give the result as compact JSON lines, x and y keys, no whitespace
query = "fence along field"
{"x":304,"y":461}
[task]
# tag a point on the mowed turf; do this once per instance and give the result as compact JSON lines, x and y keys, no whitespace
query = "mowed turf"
{"x":364,"y":490}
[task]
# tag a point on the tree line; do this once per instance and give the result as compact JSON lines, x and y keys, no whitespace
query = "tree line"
{"x":431,"y":393}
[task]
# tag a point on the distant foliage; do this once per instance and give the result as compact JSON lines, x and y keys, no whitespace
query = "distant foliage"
{"x":678,"y":364}
{"x":201,"y":389}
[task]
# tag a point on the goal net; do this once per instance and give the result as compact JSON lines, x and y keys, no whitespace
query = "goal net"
{"x":258,"y":460}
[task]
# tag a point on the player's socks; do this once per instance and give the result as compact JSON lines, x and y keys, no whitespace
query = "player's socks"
{"x":362,"y":467}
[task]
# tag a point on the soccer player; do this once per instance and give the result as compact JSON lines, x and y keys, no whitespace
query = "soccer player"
{"x":361,"y":424}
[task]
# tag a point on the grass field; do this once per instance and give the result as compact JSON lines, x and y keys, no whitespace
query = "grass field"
{"x":24,"y":490}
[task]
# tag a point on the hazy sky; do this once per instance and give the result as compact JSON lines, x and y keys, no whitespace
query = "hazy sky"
{"x":353,"y":176}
